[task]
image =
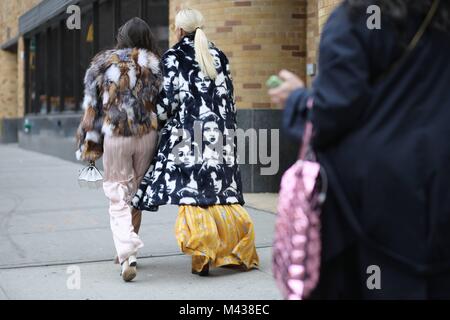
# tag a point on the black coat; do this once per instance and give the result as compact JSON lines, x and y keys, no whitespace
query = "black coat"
{"x":196,"y":162}
{"x":386,"y":148}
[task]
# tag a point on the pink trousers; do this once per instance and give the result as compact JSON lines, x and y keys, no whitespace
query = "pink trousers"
{"x":125,"y":162}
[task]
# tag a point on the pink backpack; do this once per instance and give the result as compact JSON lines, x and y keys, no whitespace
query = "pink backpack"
{"x":297,"y":244}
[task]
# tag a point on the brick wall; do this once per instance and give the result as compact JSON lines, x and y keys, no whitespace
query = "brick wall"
{"x":318,"y":12}
{"x":10,"y":11}
{"x":312,"y":34}
{"x":11,"y":75}
{"x":325,"y":8}
{"x":21,"y":78}
{"x":259,"y":37}
{"x":8,"y":85}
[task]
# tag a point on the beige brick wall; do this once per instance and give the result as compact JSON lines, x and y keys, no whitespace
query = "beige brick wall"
{"x":259,"y":37}
{"x":325,"y":8}
{"x":8,"y":85}
{"x":312,"y":34}
{"x":11,"y":65}
{"x":10,"y":11}
{"x":20,"y":78}
{"x":318,"y":13}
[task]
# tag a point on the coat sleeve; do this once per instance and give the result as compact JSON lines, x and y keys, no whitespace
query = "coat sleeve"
{"x":151,"y":77}
{"x":169,"y":97}
{"x":342,"y":88}
{"x":229,"y":82}
{"x":89,"y":133}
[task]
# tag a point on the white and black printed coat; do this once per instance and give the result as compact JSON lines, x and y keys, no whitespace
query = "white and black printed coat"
{"x":193,"y":171}
{"x":121,"y":87}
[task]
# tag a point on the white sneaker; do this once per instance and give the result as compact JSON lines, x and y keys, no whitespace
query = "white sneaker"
{"x":128,"y":272}
{"x":132,"y":261}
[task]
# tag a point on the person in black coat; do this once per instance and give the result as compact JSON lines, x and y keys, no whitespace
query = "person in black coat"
{"x":196,"y":165}
{"x":381,"y":131}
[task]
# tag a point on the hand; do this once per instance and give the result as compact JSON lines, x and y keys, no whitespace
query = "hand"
{"x":171,"y":167}
{"x":213,"y":163}
{"x":291,"y":83}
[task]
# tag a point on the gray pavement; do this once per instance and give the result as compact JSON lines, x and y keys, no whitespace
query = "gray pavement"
{"x":48,"y":224}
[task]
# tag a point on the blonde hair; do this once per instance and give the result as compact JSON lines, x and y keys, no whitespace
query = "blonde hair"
{"x":191,"y":20}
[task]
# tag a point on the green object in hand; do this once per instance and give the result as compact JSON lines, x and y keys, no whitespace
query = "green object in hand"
{"x":274,"y":81}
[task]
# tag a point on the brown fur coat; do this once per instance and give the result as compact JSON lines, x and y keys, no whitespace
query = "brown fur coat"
{"x":121,"y":87}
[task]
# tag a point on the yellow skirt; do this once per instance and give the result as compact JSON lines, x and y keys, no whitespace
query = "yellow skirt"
{"x":220,"y":235}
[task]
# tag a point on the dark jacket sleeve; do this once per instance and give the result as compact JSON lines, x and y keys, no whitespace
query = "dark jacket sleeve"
{"x":295,"y":114}
{"x":341,"y":88}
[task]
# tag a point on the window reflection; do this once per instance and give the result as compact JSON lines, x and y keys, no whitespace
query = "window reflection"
{"x":57,"y":58}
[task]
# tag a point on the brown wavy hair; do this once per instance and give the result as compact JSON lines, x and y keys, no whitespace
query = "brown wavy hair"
{"x":136,"y":33}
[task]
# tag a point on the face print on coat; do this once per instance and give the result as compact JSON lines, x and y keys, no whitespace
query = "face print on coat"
{"x":184,"y":86}
{"x":171,"y":182}
{"x":228,"y":155}
{"x":188,"y":98}
{"x":221,"y":89}
{"x":202,"y":82}
{"x":186,"y":156}
{"x":190,"y":191}
{"x":217,"y":183}
{"x":195,"y":174}
{"x":211,"y":132}
{"x":168,"y":82}
{"x":172,"y":62}
{"x":212,"y":144}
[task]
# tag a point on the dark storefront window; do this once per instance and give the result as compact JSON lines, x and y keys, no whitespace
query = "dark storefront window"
{"x":129,"y":9}
{"x":40,"y":99}
{"x":68,"y":54}
{"x":106,"y":25}
{"x":31,"y":74}
{"x":57,"y":58}
{"x":52,"y":67}
{"x":156,"y":12}
{"x":86,"y":42}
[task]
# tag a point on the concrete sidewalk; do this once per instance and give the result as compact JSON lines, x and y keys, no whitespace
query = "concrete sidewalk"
{"x":48,"y":224}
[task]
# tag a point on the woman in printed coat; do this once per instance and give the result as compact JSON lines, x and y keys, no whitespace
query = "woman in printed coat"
{"x":121,"y":87}
{"x":196,"y":165}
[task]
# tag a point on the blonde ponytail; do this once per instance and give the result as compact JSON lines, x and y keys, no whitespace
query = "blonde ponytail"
{"x":191,"y":20}
{"x":203,"y":56}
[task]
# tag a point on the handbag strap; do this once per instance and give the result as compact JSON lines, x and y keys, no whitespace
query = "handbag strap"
{"x":307,"y":135}
{"x":424,"y":26}
{"x":414,"y":42}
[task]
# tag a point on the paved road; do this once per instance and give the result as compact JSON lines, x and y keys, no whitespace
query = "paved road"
{"x":48,"y":224}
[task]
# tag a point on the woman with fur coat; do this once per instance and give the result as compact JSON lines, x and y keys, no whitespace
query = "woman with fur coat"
{"x":119,"y":122}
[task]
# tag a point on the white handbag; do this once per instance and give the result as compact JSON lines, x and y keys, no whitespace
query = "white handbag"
{"x":90,"y":177}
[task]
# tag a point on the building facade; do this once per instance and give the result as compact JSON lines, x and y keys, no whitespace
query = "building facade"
{"x":42,"y":62}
